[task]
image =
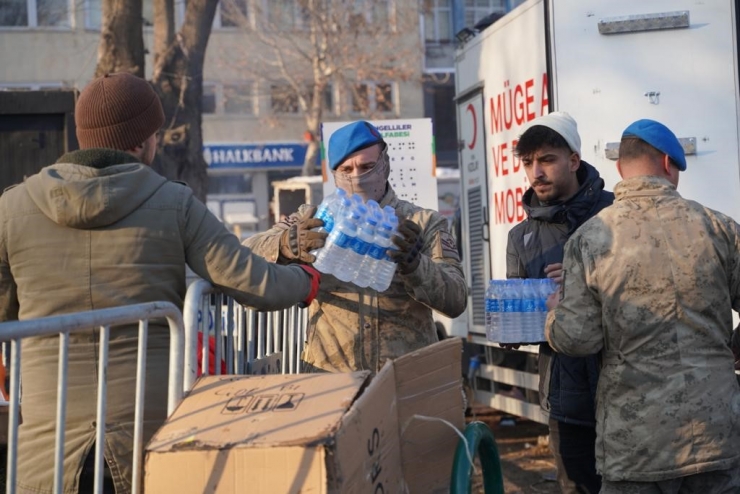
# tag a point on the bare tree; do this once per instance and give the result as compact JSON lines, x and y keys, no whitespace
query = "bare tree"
{"x":301,"y":49}
{"x":121,"y":47}
{"x":177,"y":75}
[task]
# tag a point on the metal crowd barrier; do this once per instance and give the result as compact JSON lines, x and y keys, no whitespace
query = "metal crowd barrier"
{"x":247,"y":341}
{"x":15,"y":331}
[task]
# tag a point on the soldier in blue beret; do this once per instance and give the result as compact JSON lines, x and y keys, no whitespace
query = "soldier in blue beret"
{"x":353,"y":328}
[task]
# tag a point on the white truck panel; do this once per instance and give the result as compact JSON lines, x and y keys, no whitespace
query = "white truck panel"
{"x":602,"y":80}
{"x":474,"y":185}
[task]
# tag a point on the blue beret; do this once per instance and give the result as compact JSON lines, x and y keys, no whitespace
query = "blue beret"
{"x":660,"y":137}
{"x":350,"y":138}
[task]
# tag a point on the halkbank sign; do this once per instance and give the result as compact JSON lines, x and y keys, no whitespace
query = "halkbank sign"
{"x":254,"y":156}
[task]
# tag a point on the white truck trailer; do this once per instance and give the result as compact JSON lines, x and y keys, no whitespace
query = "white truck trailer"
{"x":606,"y":63}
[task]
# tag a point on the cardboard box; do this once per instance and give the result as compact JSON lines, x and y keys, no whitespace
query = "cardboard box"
{"x":315,"y":432}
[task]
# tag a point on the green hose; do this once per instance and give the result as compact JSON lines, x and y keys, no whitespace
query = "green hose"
{"x":481,"y":441}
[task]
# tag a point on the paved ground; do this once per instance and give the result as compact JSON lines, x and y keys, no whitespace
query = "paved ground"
{"x":527,"y":464}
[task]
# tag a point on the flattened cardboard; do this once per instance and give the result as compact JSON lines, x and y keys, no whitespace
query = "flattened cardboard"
{"x":258,"y":411}
{"x":367,"y":447}
{"x":319,"y":433}
{"x":429,"y":384}
{"x":257,"y":434}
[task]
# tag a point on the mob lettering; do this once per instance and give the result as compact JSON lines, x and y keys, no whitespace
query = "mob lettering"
{"x":507,"y":205}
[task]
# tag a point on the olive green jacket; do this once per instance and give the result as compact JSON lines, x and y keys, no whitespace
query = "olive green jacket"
{"x":74,"y":238}
{"x":353,"y":328}
{"x":651,"y":282}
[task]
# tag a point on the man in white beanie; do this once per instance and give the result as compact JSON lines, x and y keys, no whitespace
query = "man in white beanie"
{"x":564,"y":192}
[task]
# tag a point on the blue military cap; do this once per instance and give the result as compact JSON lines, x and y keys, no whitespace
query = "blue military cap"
{"x":351,"y":138}
{"x":660,"y":137}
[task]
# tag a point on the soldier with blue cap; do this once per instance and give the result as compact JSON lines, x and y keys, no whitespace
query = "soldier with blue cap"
{"x":651,"y":283}
{"x":353,"y":328}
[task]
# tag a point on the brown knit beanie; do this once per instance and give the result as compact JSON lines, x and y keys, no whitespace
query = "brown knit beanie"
{"x":117,"y":111}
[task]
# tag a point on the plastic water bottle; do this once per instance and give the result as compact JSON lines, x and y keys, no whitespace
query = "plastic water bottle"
{"x":369,"y":263}
{"x":358,"y":246}
{"x":324,"y":213}
{"x":331,"y":207}
{"x":365,"y":240}
{"x":333,"y":257}
{"x":545,"y":287}
{"x":356,"y":200}
{"x":529,"y":319}
{"x":373,"y":208}
{"x":493,"y":310}
{"x":390,"y":216}
{"x":328,"y":209}
{"x":384,"y":268}
{"x":511,"y":313}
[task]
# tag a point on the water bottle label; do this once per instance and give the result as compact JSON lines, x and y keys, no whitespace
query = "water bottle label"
{"x":376,"y":252}
{"x":512,"y":305}
{"x":492,"y":305}
{"x":328,"y":222}
{"x":529,"y":305}
{"x":359,"y":246}
{"x":342,"y":240}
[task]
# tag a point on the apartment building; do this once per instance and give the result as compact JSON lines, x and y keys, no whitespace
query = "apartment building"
{"x":48,"y":44}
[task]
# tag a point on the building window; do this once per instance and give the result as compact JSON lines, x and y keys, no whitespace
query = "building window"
{"x":475,"y":10}
{"x":327,"y":98}
{"x":33,"y":86}
{"x":231,"y":13}
{"x":93,"y":12}
{"x":372,"y":14}
{"x":283,"y":99}
{"x":437,"y":21}
{"x":383,"y":97}
{"x":373,"y":97}
{"x":210,"y":100}
{"x":439,"y":105}
{"x":288,"y":15}
{"x":34,"y":13}
{"x":239,"y":99}
{"x":94,"y":16}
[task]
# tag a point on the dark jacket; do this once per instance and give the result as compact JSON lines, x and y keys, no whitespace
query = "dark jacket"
{"x":567,"y":384}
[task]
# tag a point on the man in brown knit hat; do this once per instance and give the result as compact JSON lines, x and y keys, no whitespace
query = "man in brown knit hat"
{"x":99,"y":229}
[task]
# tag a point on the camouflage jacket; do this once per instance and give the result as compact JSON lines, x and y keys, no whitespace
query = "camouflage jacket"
{"x":353,"y":328}
{"x":652,"y":282}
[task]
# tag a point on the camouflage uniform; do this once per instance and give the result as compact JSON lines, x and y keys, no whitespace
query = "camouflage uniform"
{"x":652,"y":282}
{"x":353,"y":328}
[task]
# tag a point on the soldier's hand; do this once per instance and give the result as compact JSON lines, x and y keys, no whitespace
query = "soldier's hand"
{"x":554,"y":299}
{"x":409,"y":243}
{"x":555,"y":272}
{"x":298,"y":240}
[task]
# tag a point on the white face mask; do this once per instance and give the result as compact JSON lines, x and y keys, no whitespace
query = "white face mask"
{"x":369,"y":185}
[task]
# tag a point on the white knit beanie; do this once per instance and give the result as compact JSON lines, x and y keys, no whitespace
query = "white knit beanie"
{"x":563,"y":124}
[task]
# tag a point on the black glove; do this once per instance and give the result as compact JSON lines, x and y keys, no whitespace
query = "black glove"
{"x":298,"y":240}
{"x":409,"y":243}
{"x":735,"y":346}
